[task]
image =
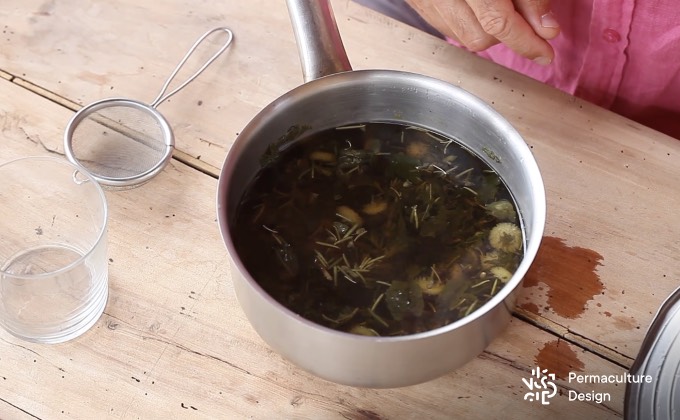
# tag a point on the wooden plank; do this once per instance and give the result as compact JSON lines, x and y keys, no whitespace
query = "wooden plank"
{"x":115,"y":52}
{"x":154,"y":374}
{"x":565,"y":333}
{"x":45,"y":93}
{"x":173,"y":342}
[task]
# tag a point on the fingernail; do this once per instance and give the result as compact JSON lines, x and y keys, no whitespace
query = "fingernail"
{"x":548,"y":21}
{"x":544,"y":61}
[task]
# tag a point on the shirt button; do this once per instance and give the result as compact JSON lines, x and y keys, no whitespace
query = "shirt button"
{"x":611,"y":36}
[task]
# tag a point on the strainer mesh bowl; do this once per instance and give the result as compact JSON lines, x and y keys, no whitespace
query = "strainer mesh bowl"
{"x":120,"y":141}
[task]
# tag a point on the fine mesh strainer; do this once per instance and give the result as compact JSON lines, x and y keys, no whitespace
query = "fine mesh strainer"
{"x":123,"y":143}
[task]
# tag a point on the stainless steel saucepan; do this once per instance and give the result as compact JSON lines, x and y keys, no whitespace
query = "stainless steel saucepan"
{"x":333,"y":96}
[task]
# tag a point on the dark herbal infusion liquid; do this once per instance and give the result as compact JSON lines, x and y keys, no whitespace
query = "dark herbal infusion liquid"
{"x":378,"y":229}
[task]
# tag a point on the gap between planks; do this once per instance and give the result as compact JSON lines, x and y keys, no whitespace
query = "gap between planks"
{"x":571,"y":337}
{"x":538,"y":321}
{"x":6,"y":76}
{"x":183,"y":157}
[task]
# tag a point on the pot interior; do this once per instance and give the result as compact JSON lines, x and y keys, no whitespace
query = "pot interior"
{"x":396,"y":97}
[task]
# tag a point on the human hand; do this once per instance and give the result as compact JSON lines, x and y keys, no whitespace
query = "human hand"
{"x":522,"y":25}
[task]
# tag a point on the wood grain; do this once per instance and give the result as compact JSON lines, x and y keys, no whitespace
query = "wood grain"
{"x":173,"y":342}
{"x":609,"y":181}
{"x":611,"y":189}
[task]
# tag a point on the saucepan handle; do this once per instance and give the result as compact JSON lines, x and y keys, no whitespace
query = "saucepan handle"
{"x":318,"y":40}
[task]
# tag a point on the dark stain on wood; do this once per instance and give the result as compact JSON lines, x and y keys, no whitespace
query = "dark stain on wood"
{"x":362,"y":414}
{"x":368,"y":414}
{"x":251,"y":399}
{"x":570,"y":274}
{"x":559,"y":358}
{"x":530,"y":307}
{"x":624,"y":323}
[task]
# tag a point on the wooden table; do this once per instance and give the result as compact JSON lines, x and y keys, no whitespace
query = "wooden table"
{"x":173,"y":342}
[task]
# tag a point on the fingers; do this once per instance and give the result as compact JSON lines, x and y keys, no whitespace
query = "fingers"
{"x":456,"y":20}
{"x":539,"y":16}
{"x":499,"y":19}
{"x":523,"y":25}
{"x":428,"y":12}
{"x":462,"y":23}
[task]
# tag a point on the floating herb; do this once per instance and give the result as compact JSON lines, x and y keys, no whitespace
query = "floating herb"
{"x":274,"y":149}
{"x":491,"y":154}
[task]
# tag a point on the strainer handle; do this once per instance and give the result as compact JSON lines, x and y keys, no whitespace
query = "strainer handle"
{"x":162,"y":96}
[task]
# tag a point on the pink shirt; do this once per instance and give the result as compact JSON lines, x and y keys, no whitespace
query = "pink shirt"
{"x":621,"y":54}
